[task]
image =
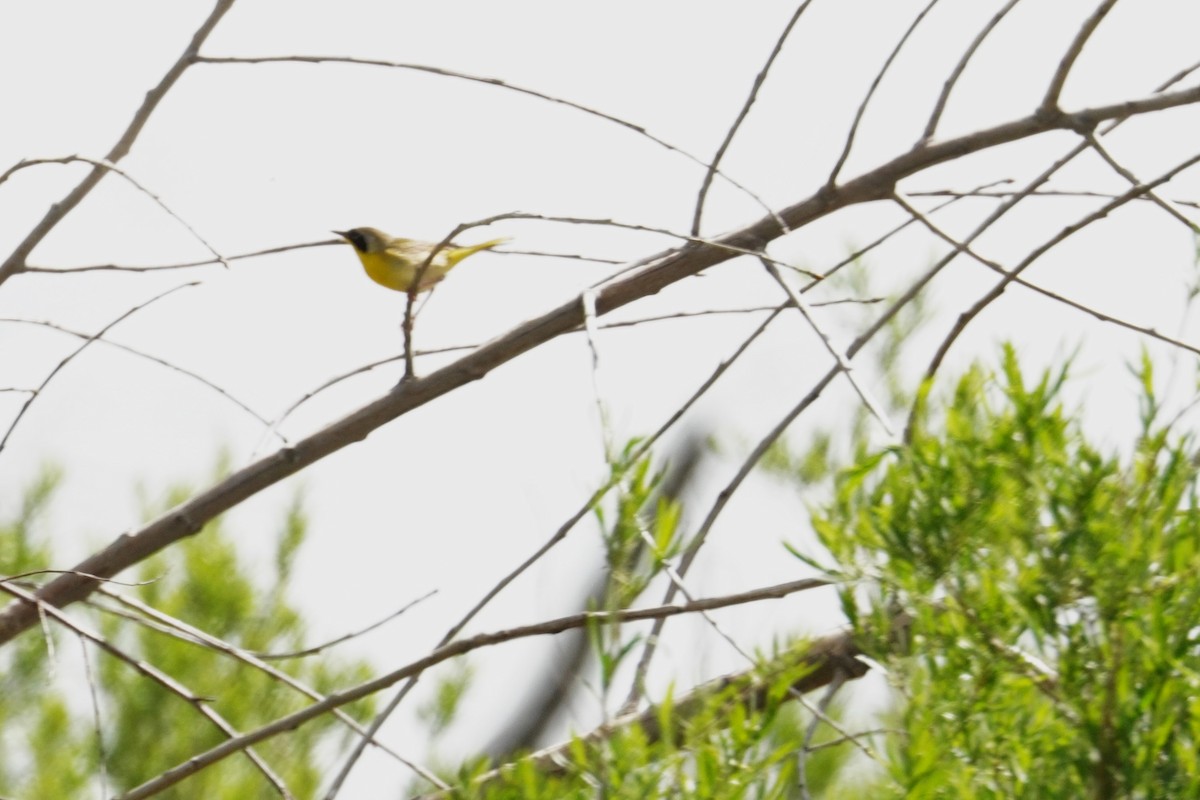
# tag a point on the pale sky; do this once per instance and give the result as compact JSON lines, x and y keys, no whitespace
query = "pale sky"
{"x":454,"y":495}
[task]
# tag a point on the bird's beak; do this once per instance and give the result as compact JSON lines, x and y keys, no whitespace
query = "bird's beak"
{"x":344,"y":234}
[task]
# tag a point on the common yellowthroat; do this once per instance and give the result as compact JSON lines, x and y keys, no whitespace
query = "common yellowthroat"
{"x":394,"y":262}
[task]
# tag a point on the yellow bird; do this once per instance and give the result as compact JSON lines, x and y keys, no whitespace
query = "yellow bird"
{"x":394,"y":262}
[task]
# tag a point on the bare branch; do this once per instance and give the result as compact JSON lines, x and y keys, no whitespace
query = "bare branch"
{"x":94,"y":697}
{"x":875,"y":184}
{"x":759,"y":80}
{"x":862,"y":107}
{"x":967,"y":316}
{"x":16,"y":260}
{"x":960,"y":247}
{"x":273,"y":425}
{"x":62,"y":364}
{"x":844,"y":365}
{"x":940,"y":106}
{"x":1046,"y":193}
{"x":447,"y":73}
{"x":451,"y":650}
{"x":1153,"y":196}
{"x":161,"y":361}
{"x":150,"y":617}
{"x":818,"y":710}
{"x":722,"y":499}
{"x":838,"y":681}
{"x":830,"y":657}
{"x":270,"y":251}
{"x":312,"y":651}
{"x":1049,"y":105}
{"x":616,"y":476}
{"x":105,"y":164}
{"x":155,"y":675}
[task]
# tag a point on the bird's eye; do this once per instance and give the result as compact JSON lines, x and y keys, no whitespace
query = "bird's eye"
{"x":358,"y":240}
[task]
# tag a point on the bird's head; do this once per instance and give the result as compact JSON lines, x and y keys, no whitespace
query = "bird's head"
{"x":365,"y":240}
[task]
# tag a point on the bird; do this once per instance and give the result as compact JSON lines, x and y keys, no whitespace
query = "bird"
{"x":395,"y":262}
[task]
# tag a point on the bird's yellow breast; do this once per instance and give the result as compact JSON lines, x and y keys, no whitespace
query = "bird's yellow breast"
{"x":398,"y":273}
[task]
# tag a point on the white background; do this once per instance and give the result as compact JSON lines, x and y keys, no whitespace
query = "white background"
{"x":454,"y":495}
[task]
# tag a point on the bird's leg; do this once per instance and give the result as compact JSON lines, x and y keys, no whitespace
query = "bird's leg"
{"x":407,"y":328}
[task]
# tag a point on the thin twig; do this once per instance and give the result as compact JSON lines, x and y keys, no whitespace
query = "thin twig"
{"x":591,"y":333}
{"x":940,"y":106}
{"x":1153,"y":196}
{"x":970,"y":314}
{"x":701,"y":535}
{"x":446,"y":73}
{"x":70,"y":357}
{"x":843,"y":363}
{"x":759,"y":80}
{"x":828,"y":657}
{"x":270,"y":251}
{"x":160,"y":361}
{"x":94,"y":696}
{"x":105,"y":164}
{"x":818,"y":710}
{"x":862,"y":107}
{"x":273,"y":425}
{"x":1000,"y":269}
{"x":1049,"y":105}
{"x":347,"y":637}
{"x":806,"y":749}
{"x":1048,"y":193}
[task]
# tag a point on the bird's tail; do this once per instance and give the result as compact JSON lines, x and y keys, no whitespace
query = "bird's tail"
{"x":457,"y":254}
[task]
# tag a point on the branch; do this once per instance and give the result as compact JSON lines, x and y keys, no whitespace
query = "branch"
{"x":1011,"y":276}
{"x":161,"y":622}
{"x":169,"y":684}
{"x":188,"y":517}
{"x":163,"y":362}
{"x":1050,"y":101}
{"x":805,"y":309}
{"x":999,"y":269}
{"x":444,"y":653}
{"x":831,"y":658}
{"x":447,"y":73}
{"x":862,"y":107}
{"x":564,"y":529}
{"x":135,"y":183}
{"x":16,"y":260}
{"x":940,"y":106}
{"x":98,"y":336}
{"x":759,"y":80}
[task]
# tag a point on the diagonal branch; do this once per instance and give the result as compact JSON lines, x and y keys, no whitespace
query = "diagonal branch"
{"x":940,"y":106}
{"x":16,"y":260}
{"x":169,"y":684}
{"x":559,"y":535}
{"x":843,"y":363}
{"x":444,"y":653}
{"x":866,"y":101}
{"x":496,"y":82}
{"x":1050,"y":101}
{"x":759,"y":80}
{"x":999,"y":269}
{"x":1011,"y":276}
{"x":832,"y":658}
{"x":88,"y":341}
{"x":187,"y":518}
